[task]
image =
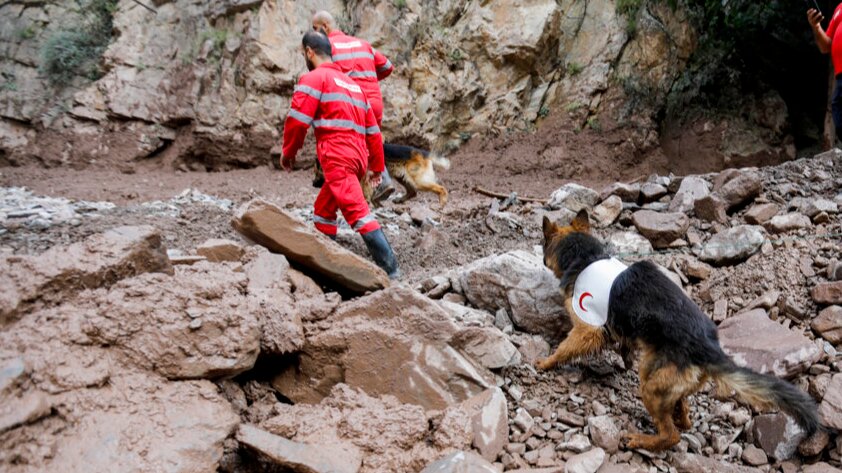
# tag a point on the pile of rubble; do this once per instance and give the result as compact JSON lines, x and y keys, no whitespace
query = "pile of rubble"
{"x":115,"y":355}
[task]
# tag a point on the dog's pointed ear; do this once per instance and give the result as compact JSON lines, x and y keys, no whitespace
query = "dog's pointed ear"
{"x":582,"y":222}
{"x":549,"y":229}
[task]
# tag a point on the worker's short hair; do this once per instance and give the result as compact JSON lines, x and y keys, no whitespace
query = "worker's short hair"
{"x":317,"y":42}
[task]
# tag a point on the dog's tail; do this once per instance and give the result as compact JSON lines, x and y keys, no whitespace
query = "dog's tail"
{"x":765,"y":391}
{"x":440,"y":162}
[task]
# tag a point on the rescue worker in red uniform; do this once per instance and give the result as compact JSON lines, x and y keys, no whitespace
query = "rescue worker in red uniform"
{"x":348,"y":144}
{"x":366,"y":66}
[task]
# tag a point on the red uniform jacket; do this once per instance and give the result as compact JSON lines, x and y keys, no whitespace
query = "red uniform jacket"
{"x":338,"y":110}
{"x":361,"y":62}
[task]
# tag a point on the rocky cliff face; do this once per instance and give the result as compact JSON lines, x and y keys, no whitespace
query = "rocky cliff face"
{"x":205,"y":84}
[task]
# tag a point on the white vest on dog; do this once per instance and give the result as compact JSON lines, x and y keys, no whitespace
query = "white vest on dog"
{"x":592,"y":289}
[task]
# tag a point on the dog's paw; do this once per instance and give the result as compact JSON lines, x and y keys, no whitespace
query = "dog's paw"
{"x":637,"y":441}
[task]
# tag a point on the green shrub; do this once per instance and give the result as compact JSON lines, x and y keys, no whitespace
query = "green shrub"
{"x":76,"y":49}
{"x":574,"y":69}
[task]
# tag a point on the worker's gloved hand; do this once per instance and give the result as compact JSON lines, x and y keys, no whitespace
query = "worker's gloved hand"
{"x":287,"y":163}
{"x":374,"y":179}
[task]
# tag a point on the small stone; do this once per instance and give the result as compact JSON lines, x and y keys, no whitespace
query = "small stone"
{"x":588,"y":462}
{"x":816,"y":206}
{"x":626,"y":192}
{"x":573,"y":197}
{"x":608,"y":211}
{"x":720,"y":310}
{"x":712,"y":208}
{"x":733,"y":245}
{"x":220,"y":250}
{"x":829,"y":324}
{"x":604,"y":433}
{"x":661,"y":229}
{"x":695,"y":269}
{"x":650,"y":192}
{"x":761,"y":213}
{"x":830,"y":410}
{"x":821,"y":467}
{"x":739,"y":417}
{"x":523,"y":420}
{"x":788,"y":222}
{"x":766,"y":301}
{"x":754,"y":456}
{"x":692,"y":189}
{"x":195,"y":324}
{"x":827,"y":293}
{"x":814,"y":445}
{"x":628,"y":244}
{"x":778,"y":435}
{"x":577,"y":443}
{"x":571,"y":419}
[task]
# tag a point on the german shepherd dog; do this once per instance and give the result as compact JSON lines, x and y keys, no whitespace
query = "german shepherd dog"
{"x":678,"y":345}
{"x":413,"y":168}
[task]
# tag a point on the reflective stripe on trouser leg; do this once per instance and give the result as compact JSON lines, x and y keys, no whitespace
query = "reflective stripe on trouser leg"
{"x":366,"y":224}
{"x":346,"y":193}
{"x":324,"y":212}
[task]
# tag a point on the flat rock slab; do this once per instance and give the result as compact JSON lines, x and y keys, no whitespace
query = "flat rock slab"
{"x":60,"y":273}
{"x":461,"y":462}
{"x":490,"y":422}
{"x":828,"y":293}
{"x":778,"y":435}
{"x":691,"y":463}
{"x":282,"y":233}
{"x":661,"y":228}
{"x":394,"y":342}
{"x":754,"y":340}
{"x":829,"y":324}
{"x":733,"y":245}
{"x":300,"y":457}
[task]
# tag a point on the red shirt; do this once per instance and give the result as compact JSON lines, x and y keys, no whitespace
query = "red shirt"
{"x":361,"y":62}
{"x":342,"y":117}
{"x":835,"y":34}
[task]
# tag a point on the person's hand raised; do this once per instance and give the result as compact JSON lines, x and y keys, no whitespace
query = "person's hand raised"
{"x":815,"y":18}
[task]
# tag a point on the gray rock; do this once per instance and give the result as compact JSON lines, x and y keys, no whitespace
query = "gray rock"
{"x":778,"y":435}
{"x":816,"y":206}
{"x":604,"y":433}
{"x":626,"y":192}
{"x":733,"y":245}
{"x":31,"y":407}
{"x":577,"y":443}
{"x":519,"y":282}
{"x":628,"y":244}
{"x":692,"y":189}
{"x":588,"y":462}
{"x":523,"y":420}
{"x":607,"y":212}
{"x":755,"y":341}
{"x":712,"y":208}
{"x":651,"y":192}
{"x":788,"y":222}
{"x":691,"y":463}
{"x":661,"y":229}
{"x":573,"y":197}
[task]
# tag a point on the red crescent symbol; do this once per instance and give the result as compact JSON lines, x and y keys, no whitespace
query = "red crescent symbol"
{"x":582,"y":299}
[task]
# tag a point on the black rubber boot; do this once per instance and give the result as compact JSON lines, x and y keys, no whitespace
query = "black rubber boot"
{"x":382,"y":253}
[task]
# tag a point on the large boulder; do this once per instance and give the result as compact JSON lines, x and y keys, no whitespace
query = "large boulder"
{"x":739,"y":188}
{"x":661,"y":228}
{"x":197,"y":324}
{"x":391,"y":436}
{"x":403,"y":337}
{"x":28,"y":282}
{"x":280,"y":232}
{"x":519,"y":282}
{"x":733,"y":245}
{"x":753,"y":340}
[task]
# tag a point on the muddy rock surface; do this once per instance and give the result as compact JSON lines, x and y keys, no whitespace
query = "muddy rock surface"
{"x":112,"y":358}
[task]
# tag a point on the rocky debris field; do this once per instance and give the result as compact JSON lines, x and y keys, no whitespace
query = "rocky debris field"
{"x":156,"y":337}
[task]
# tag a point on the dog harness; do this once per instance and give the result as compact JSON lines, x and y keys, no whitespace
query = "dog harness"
{"x":593,"y":288}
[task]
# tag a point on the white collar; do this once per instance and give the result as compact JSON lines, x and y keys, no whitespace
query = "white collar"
{"x":593,"y":288}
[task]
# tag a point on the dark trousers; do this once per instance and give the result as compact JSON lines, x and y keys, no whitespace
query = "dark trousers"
{"x":836,"y":107}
